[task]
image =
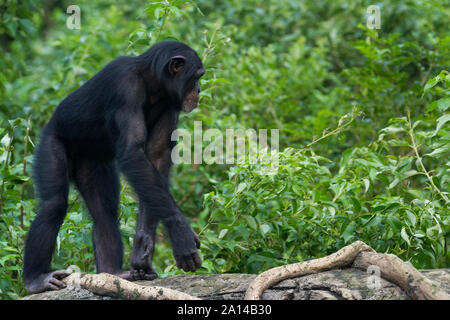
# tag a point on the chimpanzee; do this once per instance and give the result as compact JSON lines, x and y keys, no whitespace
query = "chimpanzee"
{"x":119,"y":120}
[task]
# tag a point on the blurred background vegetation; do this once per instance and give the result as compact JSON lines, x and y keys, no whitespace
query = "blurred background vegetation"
{"x":363,"y":118}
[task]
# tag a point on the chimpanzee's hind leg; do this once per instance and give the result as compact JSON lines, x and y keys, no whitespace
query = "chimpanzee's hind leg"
{"x":52,"y":182}
{"x":98,"y":183}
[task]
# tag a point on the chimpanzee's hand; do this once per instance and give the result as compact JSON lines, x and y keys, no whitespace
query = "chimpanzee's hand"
{"x":185,"y":243}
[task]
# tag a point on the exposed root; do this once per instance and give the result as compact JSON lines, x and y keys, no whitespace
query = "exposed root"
{"x":356,"y":255}
{"x":339,"y":259}
{"x":393,"y":269}
{"x":106,"y":284}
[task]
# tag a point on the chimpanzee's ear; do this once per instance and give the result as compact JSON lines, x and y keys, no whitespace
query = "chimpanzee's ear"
{"x":176,"y":63}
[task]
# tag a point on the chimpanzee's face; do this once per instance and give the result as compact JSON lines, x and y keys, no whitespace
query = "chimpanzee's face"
{"x":186,"y":75}
{"x":191,"y":97}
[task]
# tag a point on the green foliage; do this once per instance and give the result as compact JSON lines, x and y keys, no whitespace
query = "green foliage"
{"x":14,"y":207}
{"x":363,"y":118}
{"x":382,"y":194}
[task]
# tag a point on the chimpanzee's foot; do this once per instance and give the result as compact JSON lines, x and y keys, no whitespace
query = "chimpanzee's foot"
{"x":48,"y":281}
{"x":137,"y":274}
{"x":144,"y":274}
{"x":141,"y":257}
{"x":126,"y":275}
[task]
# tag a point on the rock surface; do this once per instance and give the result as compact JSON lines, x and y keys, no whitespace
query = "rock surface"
{"x":346,"y":284}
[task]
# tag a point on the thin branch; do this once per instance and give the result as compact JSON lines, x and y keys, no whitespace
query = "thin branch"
{"x":5,"y":168}
{"x":339,"y":129}
{"x":24,"y":173}
{"x":419,"y":158}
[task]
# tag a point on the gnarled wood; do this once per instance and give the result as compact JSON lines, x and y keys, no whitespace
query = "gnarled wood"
{"x":361,"y":256}
{"x":339,"y":259}
{"x":393,"y":269}
{"x":106,"y":284}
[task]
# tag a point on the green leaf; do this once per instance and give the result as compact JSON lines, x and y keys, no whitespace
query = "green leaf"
{"x":395,"y":223}
{"x":398,"y":143}
{"x":240,"y":187}
{"x":440,"y":122}
{"x":298,"y":190}
{"x":409,"y":173}
{"x":431,"y":83}
{"x":265,"y":228}
{"x":404,"y":236}
{"x":411,"y":217}
{"x":432,"y":106}
{"x":366,"y":184}
{"x":392,"y":129}
{"x":443,"y":104}
{"x":394,"y":183}
{"x":438,"y":151}
{"x":7,"y":257}
{"x":348,"y":232}
{"x":28,"y":25}
{"x":251,"y":222}
{"x":356,"y":205}
{"x":223,"y":233}
{"x":433,"y":232}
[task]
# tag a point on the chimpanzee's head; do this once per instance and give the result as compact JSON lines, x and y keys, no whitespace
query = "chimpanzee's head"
{"x":179,"y":69}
